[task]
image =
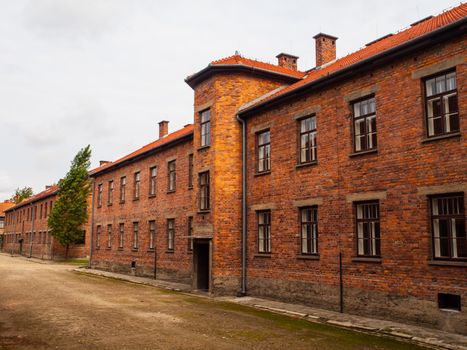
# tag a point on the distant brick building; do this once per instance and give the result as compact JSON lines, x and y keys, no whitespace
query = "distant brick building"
{"x":4,"y":206}
{"x":341,"y":187}
{"x":27,"y":233}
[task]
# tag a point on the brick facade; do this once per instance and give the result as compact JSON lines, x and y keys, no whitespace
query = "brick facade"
{"x":27,"y":232}
{"x":398,"y":175}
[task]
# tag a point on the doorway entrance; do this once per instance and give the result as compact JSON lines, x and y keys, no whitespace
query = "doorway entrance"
{"x":20,"y":246}
{"x":201,"y":264}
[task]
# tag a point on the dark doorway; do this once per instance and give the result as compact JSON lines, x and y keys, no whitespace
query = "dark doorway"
{"x":201,"y":264}
{"x":20,"y":246}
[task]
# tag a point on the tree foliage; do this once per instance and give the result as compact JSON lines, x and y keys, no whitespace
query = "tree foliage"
{"x":69,"y":212}
{"x":21,"y":194}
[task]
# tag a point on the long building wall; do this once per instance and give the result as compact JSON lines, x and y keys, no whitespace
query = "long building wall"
{"x":405,"y":280}
{"x":27,"y":232}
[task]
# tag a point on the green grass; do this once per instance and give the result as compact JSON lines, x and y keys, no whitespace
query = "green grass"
{"x":78,"y":262}
{"x":342,"y":338}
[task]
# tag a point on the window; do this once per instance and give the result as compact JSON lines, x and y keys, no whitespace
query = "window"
{"x":122,"y":188}
{"x":308,"y":140}
{"x":205,"y":117}
{"x":172,"y":175}
{"x":364,"y":116}
{"x":442,"y":111}
{"x":368,"y":231}
{"x":448,"y":227}
{"x":263,"y":152}
{"x":170,"y":234}
{"x":121,"y":235}
{"x":135,"y":235}
{"x":190,"y":233}
{"x":449,"y":301}
{"x":264,"y":232}
{"x":98,"y":236}
{"x":46,"y":213}
{"x":309,"y":230}
{"x":204,"y":191}
{"x":152,"y":181}
{"x":99,"y":195}
{"x":152,"y":234}
{"x":109,"y":236}
{"x":190,"y":171}
{"x":111,"y":193}
{"x":40,"y":212}
{"x":137,"y":181}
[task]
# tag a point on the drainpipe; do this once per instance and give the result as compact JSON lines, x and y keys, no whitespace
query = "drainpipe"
{"x":14,"y":226}
{"x":92,"y":222}
{"x":33,"y":214}
{"x":244,"y":208}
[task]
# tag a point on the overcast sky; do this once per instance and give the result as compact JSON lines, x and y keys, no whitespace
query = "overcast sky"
{"x":104,"y":72}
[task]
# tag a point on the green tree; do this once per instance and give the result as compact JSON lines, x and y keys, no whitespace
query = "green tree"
{"x":21,"y":194}
{"x":69,"y":212}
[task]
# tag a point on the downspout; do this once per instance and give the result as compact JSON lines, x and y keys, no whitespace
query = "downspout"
{"x":92,"y":223}
{"x":14,"y":229}
{"x":33,"y":214}
{"x":244,"y":209}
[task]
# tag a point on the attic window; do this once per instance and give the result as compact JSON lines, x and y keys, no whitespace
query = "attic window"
{"x":449,"y":301}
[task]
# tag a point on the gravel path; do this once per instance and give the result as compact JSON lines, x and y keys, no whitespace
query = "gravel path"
{"x":48,"y":306}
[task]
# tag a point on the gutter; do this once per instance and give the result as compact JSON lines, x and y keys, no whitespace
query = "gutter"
{"x":244,"y":209}
{"x":368,"y":63}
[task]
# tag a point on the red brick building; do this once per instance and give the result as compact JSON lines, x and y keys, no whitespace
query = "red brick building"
{"x":341,"y":187}
{"x":27,"y":233}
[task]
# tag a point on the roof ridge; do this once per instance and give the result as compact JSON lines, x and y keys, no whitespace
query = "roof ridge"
{"x":174,"y":135}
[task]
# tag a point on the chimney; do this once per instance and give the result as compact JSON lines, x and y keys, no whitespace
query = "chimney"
{"x":325,"y":48}
{"x":103,"y":162}
{"x":287,"y":61}
{"x":163,"y":128}
{"x":47,"y":187}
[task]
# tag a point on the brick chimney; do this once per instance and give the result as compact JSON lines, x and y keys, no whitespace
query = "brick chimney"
{"x":325,"y":48}
{"x":103,"y":162}
{"x":287,"y":61}
{"x":47,"y":187}
{"x":163,"y":128}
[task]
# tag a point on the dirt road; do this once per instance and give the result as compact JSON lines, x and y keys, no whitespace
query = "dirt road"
{"x":48,"y":306}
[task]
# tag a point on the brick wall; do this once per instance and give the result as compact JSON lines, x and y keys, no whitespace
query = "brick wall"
{"x":173,"y":265}
{"x":40,"y":244}
{"x":404,"y":283}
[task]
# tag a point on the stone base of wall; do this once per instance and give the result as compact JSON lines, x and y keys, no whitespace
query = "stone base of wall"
{"x":144,"y":271}
{"x":363,"y":302}
{"x":226,"y":285}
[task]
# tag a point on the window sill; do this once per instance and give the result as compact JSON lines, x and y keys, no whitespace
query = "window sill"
{"x":170,"y":191}
{"x":134,"y":249}
{"x":97,"y":248}
{"x":122,"y":202}
{"x":135,"y":199}
{"x":263,"y":173}
{"x":308,"y":257}
{"x":120,"y":249}
{"x":305,"y":165}
{"x":99,"y":206}
{"x":204,"y":211}
{"x":441,"y":137}
{"x":169,"y":251}
{"x":109,"y":204}
{"x":108,"y":248}
{"x":190,"y":187}
{"x":362,"y":153}
{"x":189,"y":252}
{"x":150,"y":250}
{"x":367,"y":259}
{"x":203,"y":147}
{"x":262,"y":255}
{"x":447,"y":263}
{"x":151,"y":196}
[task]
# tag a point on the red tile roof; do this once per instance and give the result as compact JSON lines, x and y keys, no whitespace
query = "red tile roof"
{"x":185,"y":131}
{"x":41,"y":195}
{"x":242,"y":61}
{"x":417,"y":30}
